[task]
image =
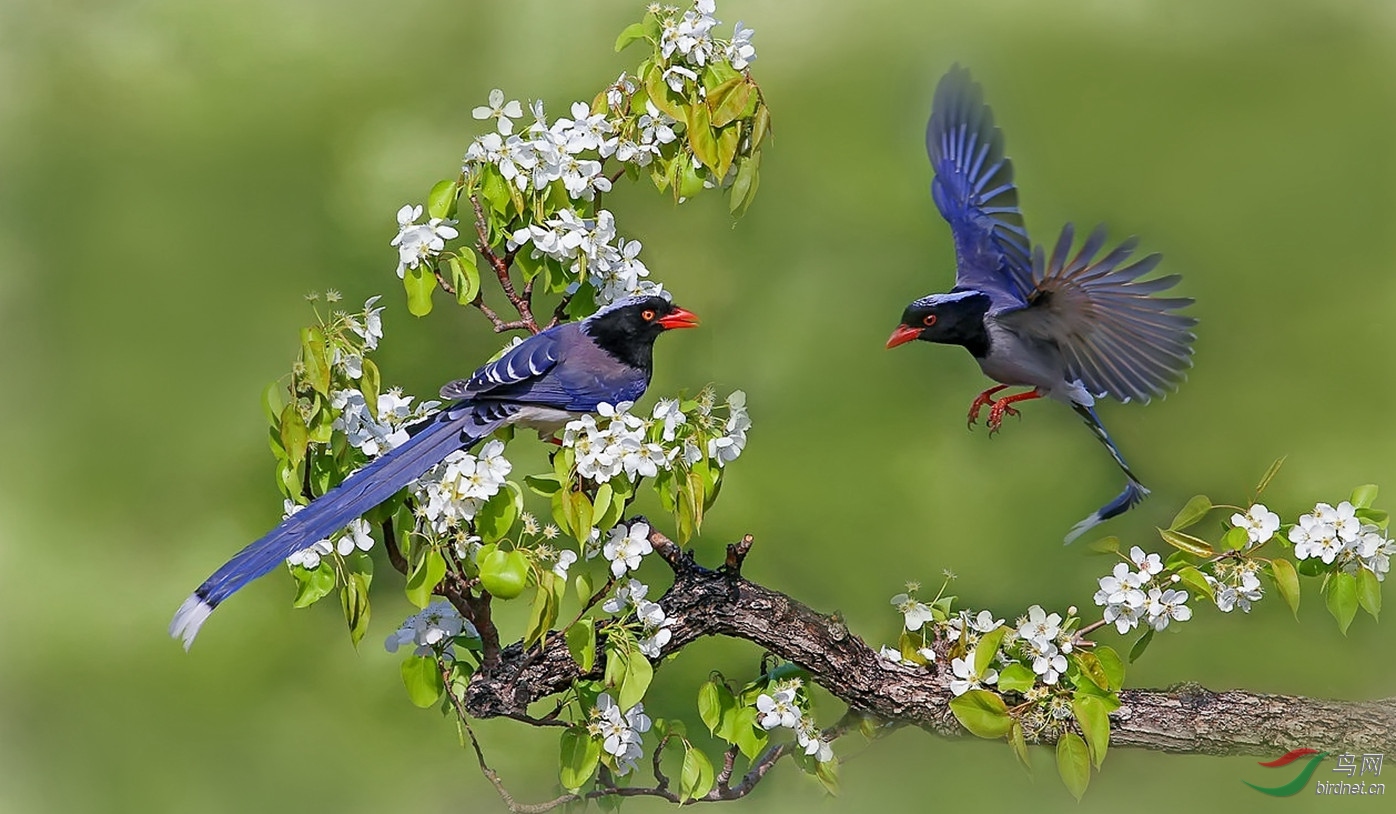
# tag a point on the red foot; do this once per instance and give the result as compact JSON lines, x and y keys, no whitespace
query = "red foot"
{"x":1002,"y":407}
{"x":981,"y":401}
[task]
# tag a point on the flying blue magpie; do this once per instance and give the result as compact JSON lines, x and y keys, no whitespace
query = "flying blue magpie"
{"x":1072,"y":328}
{"x":542,"y":383}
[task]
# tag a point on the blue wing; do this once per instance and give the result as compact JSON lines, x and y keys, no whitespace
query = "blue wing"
{"x":561,"y":367}
{"x":974,"y":191}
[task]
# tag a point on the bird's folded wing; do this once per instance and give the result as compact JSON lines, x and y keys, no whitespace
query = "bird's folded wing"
{"x":526,"y":362}
{"x":1115,"y":335}
{"x":974,"y":191}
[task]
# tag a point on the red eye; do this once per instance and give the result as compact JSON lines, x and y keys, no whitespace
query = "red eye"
{"x":929,"y":320}
{"x":647,"y":315}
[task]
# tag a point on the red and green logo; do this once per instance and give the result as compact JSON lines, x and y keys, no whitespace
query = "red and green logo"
{"x":1296,"y":785}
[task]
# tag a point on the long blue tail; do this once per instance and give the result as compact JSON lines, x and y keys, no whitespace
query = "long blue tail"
{"x":450,"y":430}
{"x":1134,"y":492}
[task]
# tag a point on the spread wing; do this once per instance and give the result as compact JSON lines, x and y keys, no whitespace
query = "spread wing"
{"x":974,"y":191}
{"x":1115,"y":335}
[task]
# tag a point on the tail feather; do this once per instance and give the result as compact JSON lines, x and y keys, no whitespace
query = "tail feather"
{"x":1134,"y":492}
{"x":360,"y":492}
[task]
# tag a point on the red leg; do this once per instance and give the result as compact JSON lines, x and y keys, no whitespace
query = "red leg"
{"x":1002,"y":407}
{"x":981,"y":401}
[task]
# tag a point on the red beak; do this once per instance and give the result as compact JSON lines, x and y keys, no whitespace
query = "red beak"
{"x":903,"y":334}
{"x":679,"y":318}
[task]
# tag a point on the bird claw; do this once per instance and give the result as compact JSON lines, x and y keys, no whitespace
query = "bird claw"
{"x":1000,"y":409}
{"x":980,"y":402}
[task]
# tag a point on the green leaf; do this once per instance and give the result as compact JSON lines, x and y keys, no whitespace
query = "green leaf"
{"x":494,"y":189}
{"x":543,"y":611}
{"x":1074,"y":763}
{"x":354,"y":599}
{"x":1269,"y":475}
{"x":1186,"y":542}
{"x":748,"y":737}
{"x":1095,"y":725}
{"x":638,"y":675}
{"x":727,"y":140}
{"x":1286,"y":582}
{"x":1016,"y":678}
{"x":582,"y":582}
{"x":497,"y":515}
{"x":1105,"y":545}
{"x":1376,"y":517}
{"x":317,"y":365}
{"x":503,"y":573}
{"x":986,"y":649}
{"x":983,"y":713}
{"x":1019,"y":745}
{"x":545,"y":485}
{"x":581,"y":753}
{"x":1141,"y":645}
{"x":419,"y":282}
{"x":760,"y":126}
{"x":632,"y":33}
{"x":312,"y":585}
{"x":370,"y":384}
{"x":423,"y":681}
{"x":465,"y":278}
{"x":1235,"y":539}
{"x":728,"y":101}
{"x":441,"y":201}
{"x":1194,"y":579}
{"x":700,"y":135}
{"x":696,"y":778}
{"x":1091,"y":668}
{"x":602,"y":502}
{"x":1342,"y":599}
{"x":294,"y":436}
{"x":1113,"y":666}
{"x":1192,"y":512}
{"x":581,"y":643}
{"x":658,"y":91}
{"x":425,"y":577}
{"x":272,"y":404}
{"x":714,"y":702}
{"x":1364,"y":496}
{"x":576,"y":514}
{"x":1369,"y":592}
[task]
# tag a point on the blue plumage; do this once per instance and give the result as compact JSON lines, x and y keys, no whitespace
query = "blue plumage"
{"x":542,"y":382}
{"x":1071,"y":328}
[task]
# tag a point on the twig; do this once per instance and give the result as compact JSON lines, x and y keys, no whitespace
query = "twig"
{"x":500,"y":264}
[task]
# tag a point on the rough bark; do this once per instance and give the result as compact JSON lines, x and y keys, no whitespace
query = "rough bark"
{"x":704,"y":602}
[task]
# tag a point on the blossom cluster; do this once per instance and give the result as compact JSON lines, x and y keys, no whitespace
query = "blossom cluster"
{"x":452,"y":492}
{"x":655,"y":633}
{"x":624,"y":548}
{"x":620,"y":733}
{"x":589,"y":247}
{"x":1135,"y":592}
{"x":780,"y":706}
{"x":376,"y":435}
{"x":686,"y":41}
{"x":431,"y":631}
{"x":354,"y":537}
{"x":1038,"y":640}
{"x":687,"y":432}
{"x":1336,"y":534}
{"x":417,"y":242}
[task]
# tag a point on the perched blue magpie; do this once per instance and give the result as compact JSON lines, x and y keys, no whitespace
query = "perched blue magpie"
{"x":542,"y":383}
{"x":1072,"y":328}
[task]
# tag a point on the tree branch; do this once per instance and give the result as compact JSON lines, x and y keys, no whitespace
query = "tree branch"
{"x":704,"y":602}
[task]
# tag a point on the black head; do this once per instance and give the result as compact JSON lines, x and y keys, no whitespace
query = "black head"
{"x":956,"y":318}
{"x":627,"y":328}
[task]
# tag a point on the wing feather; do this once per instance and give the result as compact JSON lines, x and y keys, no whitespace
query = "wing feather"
{"x":1115,"y":335}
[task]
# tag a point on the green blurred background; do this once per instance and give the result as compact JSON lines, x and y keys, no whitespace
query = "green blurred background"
{"x":177,"y":175}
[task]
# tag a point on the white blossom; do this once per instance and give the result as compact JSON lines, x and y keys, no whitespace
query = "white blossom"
{"x":778,"y":709}
{"x":565,"y":558}
{"x":501,"y":110}
{"x":1040,"y":625}
{"x":1148,"y":564}
{"x":626,"y":547}
{"x":1259,"y":522}
{"x":1047,"y":660}
{"x":966,"y":678}
{"x":416,"y":242}
{"x":915,"y":612}
{"x":438,"y":622}
{"x":620,"y":734}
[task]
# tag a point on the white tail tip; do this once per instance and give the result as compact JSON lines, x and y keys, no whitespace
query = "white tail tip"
{"x":189,"y":618}
{"x":1082,"y":527}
